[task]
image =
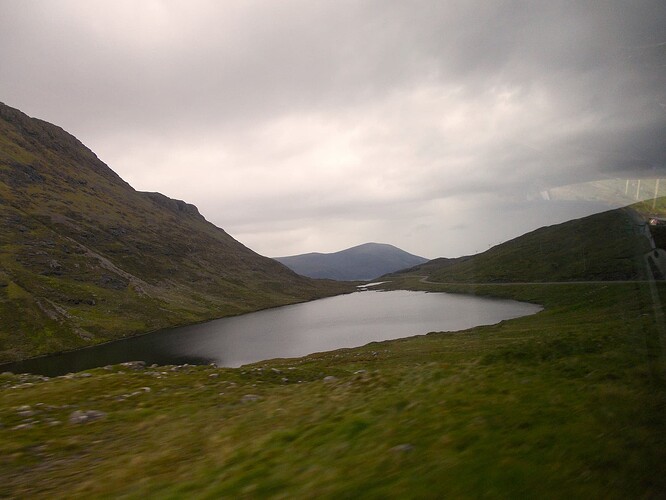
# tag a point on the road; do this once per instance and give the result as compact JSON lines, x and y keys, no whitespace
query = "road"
{"x":424,"y":279}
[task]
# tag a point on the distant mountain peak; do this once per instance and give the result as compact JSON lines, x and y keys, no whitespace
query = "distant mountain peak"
{"x":361,"y":262}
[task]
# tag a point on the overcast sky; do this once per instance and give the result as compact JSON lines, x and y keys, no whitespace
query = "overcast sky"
{"x":441,"y":127}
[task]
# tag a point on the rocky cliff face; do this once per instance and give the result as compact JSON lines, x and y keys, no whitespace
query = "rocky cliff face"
{"x":86,"y":258}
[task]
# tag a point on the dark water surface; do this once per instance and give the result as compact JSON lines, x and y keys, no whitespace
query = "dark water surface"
{"x":290,"y":331}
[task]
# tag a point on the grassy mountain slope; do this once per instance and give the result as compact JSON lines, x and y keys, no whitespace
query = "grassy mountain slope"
{"x":362,"y":262}
{"x":85,"y":258}
{"x":605,"y":246}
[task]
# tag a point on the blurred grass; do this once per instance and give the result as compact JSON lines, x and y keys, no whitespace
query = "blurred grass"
{"x":565,"y":403}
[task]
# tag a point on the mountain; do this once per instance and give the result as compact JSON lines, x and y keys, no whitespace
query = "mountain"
{"x":605,"y":246}
{"x":362,"y":262}
{"x":85,"y":258}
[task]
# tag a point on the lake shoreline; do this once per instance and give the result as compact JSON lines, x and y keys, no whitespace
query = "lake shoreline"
{"x":231,"y":348}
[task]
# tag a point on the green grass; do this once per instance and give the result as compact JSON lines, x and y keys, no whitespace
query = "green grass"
{"x":565,"y":403}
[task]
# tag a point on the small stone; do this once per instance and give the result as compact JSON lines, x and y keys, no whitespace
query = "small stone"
{"x":213,"y":375}
{"x":134,"y":365}
{"x":401,"y":448}
{"x":330,"y":378}
{"x":249,"y":398}
{"x":26,"y":413}
{"x":82,"y":416}
{"x":85,"y":375}
{"x":20,"y":427}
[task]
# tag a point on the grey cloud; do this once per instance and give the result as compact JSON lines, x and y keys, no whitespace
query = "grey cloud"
{"x":275,"y":114}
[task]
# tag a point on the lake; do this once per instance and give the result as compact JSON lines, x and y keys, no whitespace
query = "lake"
{"x":290,"y":331}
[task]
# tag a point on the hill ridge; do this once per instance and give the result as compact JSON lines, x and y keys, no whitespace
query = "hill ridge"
{"x":605,"y":246}
{"x":86,"y":258}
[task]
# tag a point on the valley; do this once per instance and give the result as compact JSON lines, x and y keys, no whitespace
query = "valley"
{"x":567,"y":402}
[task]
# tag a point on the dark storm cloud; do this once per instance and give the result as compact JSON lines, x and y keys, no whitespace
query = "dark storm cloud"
{"x":342,"y":122}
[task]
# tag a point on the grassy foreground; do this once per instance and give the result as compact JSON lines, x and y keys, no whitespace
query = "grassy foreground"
{"x":567,"y":403}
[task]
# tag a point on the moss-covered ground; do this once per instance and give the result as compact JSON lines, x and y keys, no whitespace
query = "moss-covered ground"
{"x":569,"y":402}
